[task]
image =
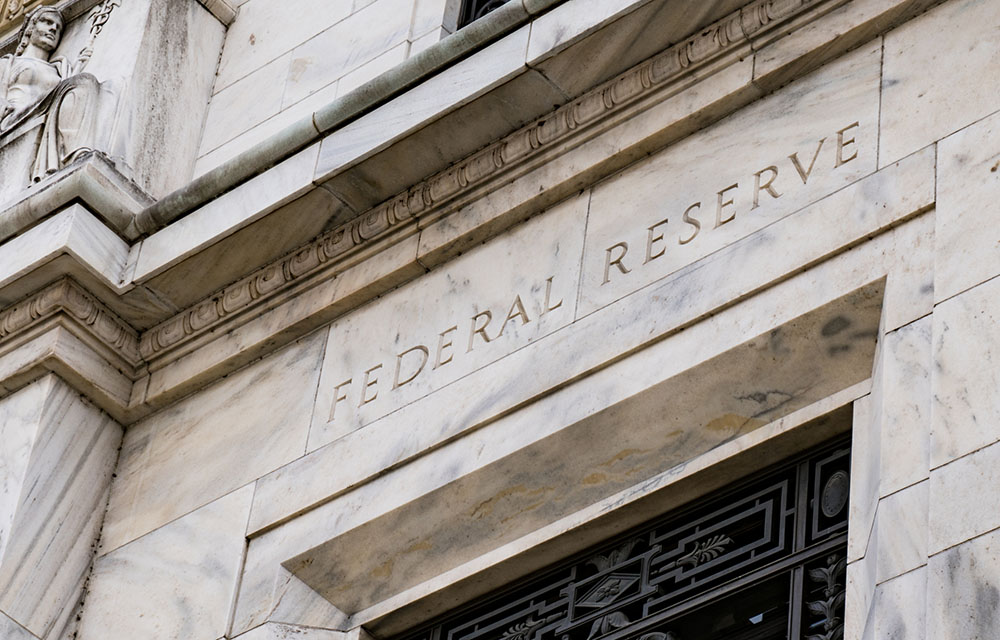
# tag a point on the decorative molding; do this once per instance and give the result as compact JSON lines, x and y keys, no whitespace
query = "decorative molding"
{"x":67,"y":297}
{"x":14,"y":11}
{"x":522,"y":146}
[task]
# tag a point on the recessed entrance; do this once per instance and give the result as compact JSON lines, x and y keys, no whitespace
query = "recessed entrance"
{"x":762,"y":559}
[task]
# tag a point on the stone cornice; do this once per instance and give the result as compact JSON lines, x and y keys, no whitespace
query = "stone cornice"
{"x":559,"y":129}
{"x":67,"y":297}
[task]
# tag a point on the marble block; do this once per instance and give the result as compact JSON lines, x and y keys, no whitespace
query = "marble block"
{"x":451,"y":322}
{"x":176,"y":583}
{"x":939,"y":75}
{"x":264,"y":30}
{"x":965,"y":414}
{"x":906,"y":419}
{"x":52,"y":499}
{"x":242,"y":105}
{"x":964,"y":500}
{"x":208,"y":445}
{"x":900,"y":609}
{"x":902,"y":532}
{"x":787,"y":150}
{"x":860,"y":595}
{"x":865,"y":454}
{"x":967,"y":238}
{"x":360,"y":38}
{"x":963,"y":591}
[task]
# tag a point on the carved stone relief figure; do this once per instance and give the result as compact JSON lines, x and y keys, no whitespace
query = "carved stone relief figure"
{"x":37,"y":88}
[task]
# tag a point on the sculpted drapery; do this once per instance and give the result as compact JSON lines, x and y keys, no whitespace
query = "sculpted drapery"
{"x":55,"y":91}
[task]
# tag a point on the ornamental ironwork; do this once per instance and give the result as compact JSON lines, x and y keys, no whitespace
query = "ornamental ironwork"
{"x":761,"y":560}
{"x":473,"y":10}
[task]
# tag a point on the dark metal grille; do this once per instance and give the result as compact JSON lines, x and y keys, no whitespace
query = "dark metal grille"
{"x":473,"y":10}
{"x":759,"y":561}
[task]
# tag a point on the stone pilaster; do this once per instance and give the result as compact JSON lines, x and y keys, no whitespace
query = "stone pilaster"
{"x":57,"y":461}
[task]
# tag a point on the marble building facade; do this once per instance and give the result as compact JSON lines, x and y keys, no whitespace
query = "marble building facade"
{"x":322,"y":319}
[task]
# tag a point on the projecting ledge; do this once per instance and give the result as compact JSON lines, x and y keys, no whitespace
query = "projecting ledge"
{"x":93,"y":181}
{"x":641,"y":454}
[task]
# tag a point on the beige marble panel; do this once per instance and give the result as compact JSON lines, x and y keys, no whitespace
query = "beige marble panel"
{"x":965,"y":414}
{"x":650,"y":314}
{"x":350,"y":43}
{"x":245,"y":103}
{"x":429,"y":39}
{"x":737,"y":458}
{"x":906,"y":419}
{"x":733,"y":179}
{"x":900,"y":609}
{"x":964,"y":500}
{"x":211,"y":443}
{"x":177,"y":583}
{"x":967,"y":250}
{"x":902,"y":533}
{"x":452,"y":321}
{"x":292,"y":115}
{"x":939,"y":75}
{"x":963,"y":594}
{"x":50,"y":541}
{"x":264,"y":30}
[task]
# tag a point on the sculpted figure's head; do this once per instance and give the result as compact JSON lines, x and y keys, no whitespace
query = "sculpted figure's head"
{"x":42,"y":28}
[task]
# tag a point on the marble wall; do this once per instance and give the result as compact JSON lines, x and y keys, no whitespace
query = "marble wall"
{"x":308,"y":53}
{"x":827,"y":253}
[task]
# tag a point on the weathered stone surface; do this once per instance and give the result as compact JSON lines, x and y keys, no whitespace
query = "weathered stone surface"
{"x":964,"y":412}
{"x":899,"y":608}
{"x":902,"y":534}
{"x":905,"y":431}
{"x":684,"y":205}
{"x":707,"y":237}
{"x":932,"y":88}
{"x":53,"y":487}
{"x":485,"y":305}
{"x":176,"y":583}
{"x":954,"y":489}
{"x":197,"y":450}
{"x":967,"y":242}
{"x":963,"y":600}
